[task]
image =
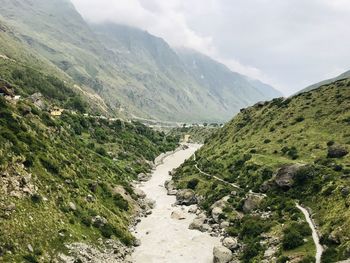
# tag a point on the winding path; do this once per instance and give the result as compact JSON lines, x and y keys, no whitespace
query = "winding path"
{"x":319,"y":248}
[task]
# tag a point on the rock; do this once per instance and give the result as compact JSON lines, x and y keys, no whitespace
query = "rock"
{"x":193,"y":209}
{"x":72,"y":206}
{"x":137,"y":242}
{"x":252,"y":202}
{"x":224,"y":224}
{"x":218,"y":207}
{"x":198,"y":222}
{"x":142,"y":177}
{"x":230,"y":242}
{"x":99,"y":221}
{"x":11,"y":207}
{"x":285,"y":175}
{"x":178,"y":215}
{"x":170,"y":186}
{"x":337,"y":151}
{"x":216,"y":213}
{"x":186,"y":197}
{"x":90,"y":198}
{"x":222,"y":254}
{"x":139,"y":193}
{"x":30,"y":248}
{"x":345,"y":191}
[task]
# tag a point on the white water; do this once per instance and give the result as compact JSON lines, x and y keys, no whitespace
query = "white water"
{"x":319,"y":248}
{"x":167,"y":240}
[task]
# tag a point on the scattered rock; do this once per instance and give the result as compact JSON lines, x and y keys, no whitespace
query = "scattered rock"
{"x":193,"y":209}
{"x":337,"y":151}
{"x":186,"y":197}
{"x":30,"y":248}
{"x":224,"y":224}
{"x":178,"y":215}
{"x":222,"y":254}
{"x":230,"y":242}
{"x":218,"y":207}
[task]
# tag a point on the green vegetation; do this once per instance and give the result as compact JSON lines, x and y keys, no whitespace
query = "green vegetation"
{"x":58,"y":174}
{"x":310,"y":130}
{"x":196,"y":134}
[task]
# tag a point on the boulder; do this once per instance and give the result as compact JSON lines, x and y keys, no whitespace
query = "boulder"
{"x":142,"y":177}
{"x":186,"y":197}
{"x":139,"y":193}
{"x":99,"y":221}
{"x":337,"y":151}
{"x":252,"y":202}
{"x":72,"y":206}
{"x":230,"y":242}
{"x":222,"y":254}
{"x":285,"y":175}
{"x":170,"y":186}
{"x":218,"y":208}
{"x":345,"y":191}
{"x":193,"y":209}
{"x":198,"y":222}
{"x":178,"y":215}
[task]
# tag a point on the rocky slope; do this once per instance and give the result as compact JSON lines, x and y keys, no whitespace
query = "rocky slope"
{"x":271,"y":156}
{"x":65,"y":176}
{"x":131,"y":70}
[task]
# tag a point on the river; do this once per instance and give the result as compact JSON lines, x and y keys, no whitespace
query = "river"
{"x":163,"y":239}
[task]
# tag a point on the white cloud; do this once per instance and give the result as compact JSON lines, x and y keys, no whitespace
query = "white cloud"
{"x":290,"y":43}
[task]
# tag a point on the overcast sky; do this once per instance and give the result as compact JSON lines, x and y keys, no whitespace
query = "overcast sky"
{"x":287,"y":43}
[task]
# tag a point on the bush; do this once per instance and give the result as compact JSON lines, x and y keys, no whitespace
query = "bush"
{"x":192,"y":184}
{"x":101,"y":151}
{"x":107,"y":230}
{"x":120,"y":202}
{"x":36,"y":198}
{"x":292,"y":239}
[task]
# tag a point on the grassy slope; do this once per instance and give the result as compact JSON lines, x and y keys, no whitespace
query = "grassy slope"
{"x":250,"y":149}
{"x":67,"y":158}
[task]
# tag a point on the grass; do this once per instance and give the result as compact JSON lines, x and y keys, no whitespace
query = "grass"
{"x":258,"y":141}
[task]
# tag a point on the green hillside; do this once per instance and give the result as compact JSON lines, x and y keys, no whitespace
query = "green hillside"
{"x":134,"y":72}
{"x":66,"y":177}
{"x":309,"y":131}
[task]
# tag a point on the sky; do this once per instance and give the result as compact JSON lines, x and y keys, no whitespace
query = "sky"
{"x":289,"y":44}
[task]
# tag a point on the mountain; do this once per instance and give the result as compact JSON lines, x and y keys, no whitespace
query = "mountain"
{"x":271,"y":156}
{"x":135,"y":73}
{"x":326,"y":82}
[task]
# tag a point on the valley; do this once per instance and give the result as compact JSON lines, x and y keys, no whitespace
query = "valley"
{"x":117,"y":146}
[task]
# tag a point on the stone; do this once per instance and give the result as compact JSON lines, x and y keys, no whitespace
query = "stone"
{"x":222,"y":254}
{"x":99,"y":221}
{"x":186,"y":197}
{"x":170,"y":186}
{"x":137,"y":242}
{"x":337,"y":151}
{"x":193,"y":209}
{"x":345,"y":191}
{"x":206,"y":228}
{"x":178,"y":215}
{"x":198,"y":222}
{"x":30,"y":248}
{"x":224,"y":224}
{"x":139,"y":193}
{"x":218,"y":207}
{"x":142,"y":177}
{"x":230,"y":242}
{"x":252,"y":202}
{"x":216,"y":213}
{"x":285,"y":175}
{"x":72,"y":206}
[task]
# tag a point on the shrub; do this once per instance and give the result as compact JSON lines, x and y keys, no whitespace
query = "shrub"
{"x":101,"y":151}
{"x":292,"y":239}
{"x":107,"y":230}
{"x":266,"y":141}
{"x":192,"y":184}
{"x":120,"y":202}
{"x":50,"y":165}
{"x":300,"y":119}
{"x":36,"y":198}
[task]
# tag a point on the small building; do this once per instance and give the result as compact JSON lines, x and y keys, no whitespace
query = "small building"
{"x":56,"y":111}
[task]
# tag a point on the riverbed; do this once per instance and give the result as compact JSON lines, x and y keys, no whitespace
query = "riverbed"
{"x":164,"y":239}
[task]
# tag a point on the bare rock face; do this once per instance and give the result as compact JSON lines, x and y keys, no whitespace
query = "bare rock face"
{"x":337,"y":151}
{"x":222,"y":254}
{"x":252,"y":202}
{"x":186,"y":197}
{"x":285,"y":175}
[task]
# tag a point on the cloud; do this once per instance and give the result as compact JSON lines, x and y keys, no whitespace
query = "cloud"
{"x":290,"y":43}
